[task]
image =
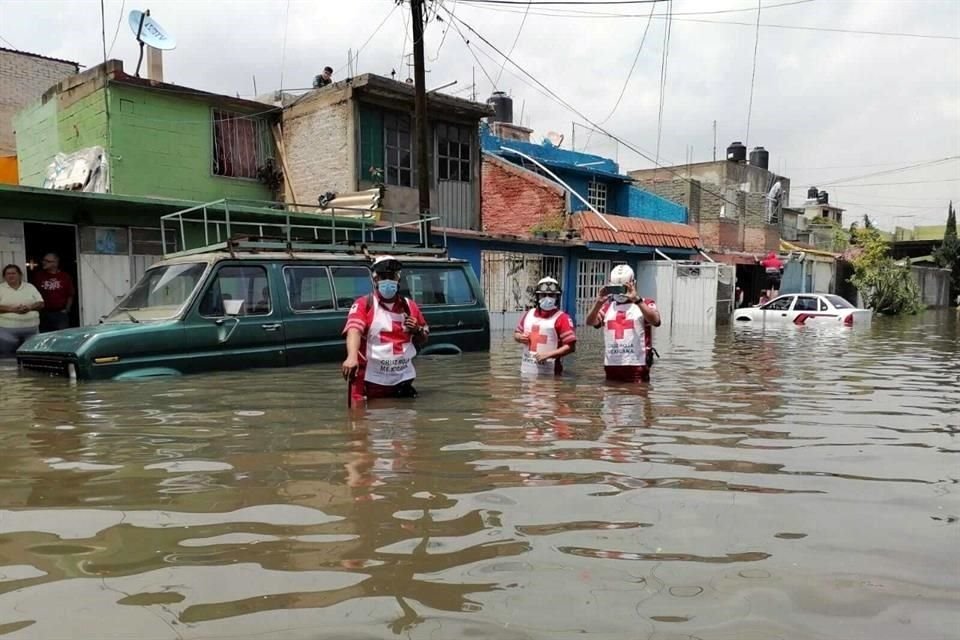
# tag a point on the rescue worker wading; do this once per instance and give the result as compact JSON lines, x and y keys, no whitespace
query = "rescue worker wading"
{"x":383,"y":332}
{"x":547,"y":332}
{"x":626,"y":321}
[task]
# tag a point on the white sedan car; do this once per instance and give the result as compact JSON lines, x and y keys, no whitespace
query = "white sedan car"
{"x":805,"y":309}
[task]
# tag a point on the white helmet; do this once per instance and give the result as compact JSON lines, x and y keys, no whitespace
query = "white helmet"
{"x":547,"y":285}
{"x":621,"y":274}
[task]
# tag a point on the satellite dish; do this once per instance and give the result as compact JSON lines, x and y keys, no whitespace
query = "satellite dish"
{"x":149,"y":32}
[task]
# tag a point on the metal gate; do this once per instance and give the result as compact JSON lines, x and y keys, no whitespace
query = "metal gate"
{"x":686,"y":292}
{"x":726,"y":288}
{"x":508,"y":281}
{"x":591,"y":277}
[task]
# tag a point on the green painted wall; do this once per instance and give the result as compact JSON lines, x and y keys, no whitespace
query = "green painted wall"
{"x":83,"y":124}
{"x":162,"y":145}
{"x":37,"y":141}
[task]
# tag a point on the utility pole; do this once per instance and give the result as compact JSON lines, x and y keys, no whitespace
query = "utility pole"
{"x":420,"y":109}
{"x":714,"y":140}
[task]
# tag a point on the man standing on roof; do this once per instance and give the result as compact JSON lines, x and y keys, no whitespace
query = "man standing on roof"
{"x":546,"y":331}
{"x":627,"y":321}
{"x":383,"y":332}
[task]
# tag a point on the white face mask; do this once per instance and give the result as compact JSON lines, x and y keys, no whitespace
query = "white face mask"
{"x":547,"y":303}
{"x":620,"y":298}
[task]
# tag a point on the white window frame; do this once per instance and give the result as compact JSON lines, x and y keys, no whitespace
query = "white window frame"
{"x":393,"y":127}
{"x":597,"y":195}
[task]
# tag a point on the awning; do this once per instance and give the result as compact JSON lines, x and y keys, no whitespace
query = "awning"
{"x":636,"y":232}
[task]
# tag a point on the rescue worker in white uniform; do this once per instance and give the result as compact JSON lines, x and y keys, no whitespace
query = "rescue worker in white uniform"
{"x":546,"y":332}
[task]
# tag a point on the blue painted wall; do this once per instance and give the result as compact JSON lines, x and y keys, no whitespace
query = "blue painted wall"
{"x":643,"y":204}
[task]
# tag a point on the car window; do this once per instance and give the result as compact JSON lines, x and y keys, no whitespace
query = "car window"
{"x":780,"y":304}
{"x":434,"y":286}
{"x":823,"y":305}
{"x":805,"y":303}
{"x":308,"y":288}
{"x":350,"y":283}
{"x":839,"y":302}
{"x":247,"y":283}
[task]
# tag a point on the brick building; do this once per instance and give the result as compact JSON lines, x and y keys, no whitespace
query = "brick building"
{"x":23,"y":78}
{"x":515,"y":199}
{"x":350,"y":135}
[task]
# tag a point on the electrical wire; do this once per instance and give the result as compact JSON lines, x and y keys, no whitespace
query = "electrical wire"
{"x":466,"y":42}
{"x":515,"y":40}
{"x":623,"y":90}
{"x":928,"y":163}
{"x":560,"y":2}
{"x":663,"y":78}
{"x":443,"y":38}
{"x":116,"y":31}
{"x":753,"y":76}
{"x":559,"y":100}
{"x":403,"y":48}
{"x":886,"y":184}
{"x":580,"y":13}
{"x":283,"y":49}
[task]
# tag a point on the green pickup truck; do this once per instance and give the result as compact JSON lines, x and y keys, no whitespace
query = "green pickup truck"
{"x":229,"y":311}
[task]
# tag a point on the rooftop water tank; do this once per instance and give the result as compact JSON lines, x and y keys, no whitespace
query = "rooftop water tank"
{"x":502,"y":107}
{"x":737,"y":152}
{"x":760,"y":157}
{"x":812,"y":193}
{"x":823,"y":198}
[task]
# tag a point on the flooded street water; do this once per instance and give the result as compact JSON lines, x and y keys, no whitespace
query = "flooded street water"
{"x":794,"y":484}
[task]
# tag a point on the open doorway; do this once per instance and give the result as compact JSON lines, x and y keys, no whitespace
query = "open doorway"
{"x":61,"y":239}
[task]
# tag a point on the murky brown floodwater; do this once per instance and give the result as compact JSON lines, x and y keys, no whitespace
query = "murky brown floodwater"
{"x":794,"y":484}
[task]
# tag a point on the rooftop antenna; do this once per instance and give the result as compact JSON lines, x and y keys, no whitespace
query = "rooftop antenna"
{"x":149,"y":32}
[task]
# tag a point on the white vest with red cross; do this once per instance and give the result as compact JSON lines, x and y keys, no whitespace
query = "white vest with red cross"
{"x":623,"y":336}
{"x":390,"y":349}
{"x":543,"y":339}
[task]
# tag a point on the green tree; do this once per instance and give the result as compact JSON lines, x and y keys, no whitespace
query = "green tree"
{"x":886,"y":286}
{"x":947,"y":254}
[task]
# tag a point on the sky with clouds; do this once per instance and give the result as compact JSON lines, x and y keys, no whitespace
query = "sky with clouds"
{"x":828,"y":104}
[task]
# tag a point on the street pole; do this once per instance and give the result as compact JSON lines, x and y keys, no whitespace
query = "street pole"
{"x":420,"y":110}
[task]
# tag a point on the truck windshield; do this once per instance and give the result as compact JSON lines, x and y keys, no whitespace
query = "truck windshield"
{"x":161,"y":293}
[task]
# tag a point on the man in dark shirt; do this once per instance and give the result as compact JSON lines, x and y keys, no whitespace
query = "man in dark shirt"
{"x":324,"y":78}
{"x":57,"y":290}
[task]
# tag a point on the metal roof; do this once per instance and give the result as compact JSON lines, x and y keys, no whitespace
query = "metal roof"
{"x":637,"y":232}
{"x":37,"y":55}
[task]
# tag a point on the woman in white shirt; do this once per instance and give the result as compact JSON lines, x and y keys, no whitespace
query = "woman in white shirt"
{"x":20,"y":303}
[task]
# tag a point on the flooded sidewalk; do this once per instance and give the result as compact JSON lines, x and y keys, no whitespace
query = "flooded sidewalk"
{"x":795,"y":483}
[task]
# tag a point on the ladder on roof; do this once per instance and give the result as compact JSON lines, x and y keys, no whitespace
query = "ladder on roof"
{"x":338,"y":225}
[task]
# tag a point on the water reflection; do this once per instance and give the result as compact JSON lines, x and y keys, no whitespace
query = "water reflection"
{"x":766,"y":484}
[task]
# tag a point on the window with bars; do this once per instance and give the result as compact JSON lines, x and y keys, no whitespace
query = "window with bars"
{"x":453,"y":153}
{"x":398,"y":148}
{"x":597,"y":195}
{"x":241,"y":144}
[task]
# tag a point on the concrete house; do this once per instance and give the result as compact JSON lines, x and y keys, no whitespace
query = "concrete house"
{"x":23,"y":78}
{"x":160,"y":147}
{"x":350,"y":135}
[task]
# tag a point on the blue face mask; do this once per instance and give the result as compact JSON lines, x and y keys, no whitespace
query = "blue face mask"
{"x":388,"y":288}
{"x":547,"y":303}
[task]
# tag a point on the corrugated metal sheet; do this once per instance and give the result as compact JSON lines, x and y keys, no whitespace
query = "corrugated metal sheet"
{"x":636,"y":232}
{"x":455,"y":204}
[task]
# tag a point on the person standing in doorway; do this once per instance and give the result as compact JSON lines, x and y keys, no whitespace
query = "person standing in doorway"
{"x":627,"y":321}
{"x":383,"y":332}
{"x":58,"y":292}
{"x":546,"y":331}
{"x":20,"y":303}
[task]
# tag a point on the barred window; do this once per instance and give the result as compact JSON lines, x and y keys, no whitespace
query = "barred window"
{"x":240,"y":144}
{"x":597,"y":195}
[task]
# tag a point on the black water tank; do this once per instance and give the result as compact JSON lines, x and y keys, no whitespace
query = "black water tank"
{"x":812,"y":193}
{"x":736,"y":152}
{"x":760,"y":157}
{"x":502,"y":106}
{"x":823,"y":198}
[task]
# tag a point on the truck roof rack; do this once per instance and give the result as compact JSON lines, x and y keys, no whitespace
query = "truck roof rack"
{"x":349,"y":223}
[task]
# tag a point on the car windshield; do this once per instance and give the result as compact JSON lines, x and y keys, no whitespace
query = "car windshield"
{"x":160,"y":294}
{"x":839,"y":303}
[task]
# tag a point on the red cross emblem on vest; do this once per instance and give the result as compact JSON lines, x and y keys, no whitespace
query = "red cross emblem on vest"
{"x":396,"y":336}
{"x":536,"y":339}
{"x":619,"y":325}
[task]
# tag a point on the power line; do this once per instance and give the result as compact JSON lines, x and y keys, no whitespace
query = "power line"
{"x":886,"y":184}
{"x":443,"y":38}
{"x":753,"y":75}
{"x":557,"y":13}
{"x":10,"y":44}
{"x":576,"y":111}
{"x":632,"y":67}
{"x":559,"y":2}
{"x":663,"y":77}
{"x":515,"y":40}
{"x":116,"y":31}
{"x":928,"y":163}
{"x":580,"y":13}
{"x":466,"y":43}
{"x":283,"y":50}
